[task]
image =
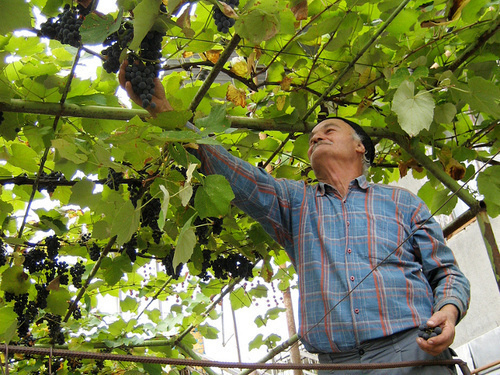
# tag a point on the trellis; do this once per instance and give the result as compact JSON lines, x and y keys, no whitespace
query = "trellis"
{"x":477,"y":209}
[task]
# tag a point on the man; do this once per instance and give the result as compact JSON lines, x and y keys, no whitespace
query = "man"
{"x":372,"y":264}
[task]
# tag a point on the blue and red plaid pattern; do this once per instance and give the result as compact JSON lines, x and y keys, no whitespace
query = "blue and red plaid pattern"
{"x":334,"y":242}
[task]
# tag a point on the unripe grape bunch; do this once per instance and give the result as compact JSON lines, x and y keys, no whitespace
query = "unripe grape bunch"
{"x":223,"y":22}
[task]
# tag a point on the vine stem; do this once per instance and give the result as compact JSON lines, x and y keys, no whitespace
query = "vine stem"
{"x":225,"y":55}
{"x":155,"y":297}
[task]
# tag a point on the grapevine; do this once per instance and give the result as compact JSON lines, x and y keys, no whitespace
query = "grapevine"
{"x":116,"y":43}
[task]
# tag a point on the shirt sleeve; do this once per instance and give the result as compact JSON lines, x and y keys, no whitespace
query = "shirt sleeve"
{"x":257,"y":193}
{"x":449,"y":284}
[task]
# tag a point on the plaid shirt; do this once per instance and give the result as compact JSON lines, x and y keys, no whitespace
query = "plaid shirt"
{"x":334,"y":242}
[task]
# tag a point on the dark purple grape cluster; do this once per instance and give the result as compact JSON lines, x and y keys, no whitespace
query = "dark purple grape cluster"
{"x":135,"y":192}
{"x":167,"y":262}
{"x":144,"y":68}
{"x":50,"y":181}
{"x":223,"y":22}
{"x":77,"y":272}
{"x":94,"y":252}
{"x":3,"y":254}
{"x":427,"y":332}
{"x":65,"y":27}
{"x":130,"y":248}
{"x":114,"y":179}
{"x":116,"y":43}
{"x":55,"y":333}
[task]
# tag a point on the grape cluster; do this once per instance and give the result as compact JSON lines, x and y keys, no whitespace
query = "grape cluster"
{"x":135,"y":192}
{"x":94,"y":252}
{"x":3,"y":254}
{"x":116,"y":43}
{"x":130,"y":248}
{"x":77,"y":272}
{"x":64,"y":28}
{"x":427,"y":332}
{"x":233,"y":265}
{"x":114,"y":179}
{"x":55,"y":333}
{"x":142,"y":70}
{"x":169,"y":267}
{"x":50,"y":181}
{"x":222,"y":21}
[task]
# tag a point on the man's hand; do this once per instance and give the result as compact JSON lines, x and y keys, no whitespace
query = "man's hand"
{"x":159,"y":98}
{"x":445,"y":318}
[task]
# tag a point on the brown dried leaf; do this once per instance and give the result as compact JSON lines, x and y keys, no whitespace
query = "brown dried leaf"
{"x":300,"y":10}
{"x":228,"y":10}
{"x":455,"y":169}
{"x":240,"y":68}
{"x":236,"y":96}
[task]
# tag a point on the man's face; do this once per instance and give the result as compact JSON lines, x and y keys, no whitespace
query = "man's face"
{"x":333,"y":138}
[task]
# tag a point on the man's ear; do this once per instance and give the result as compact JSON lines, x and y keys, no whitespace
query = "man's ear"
{"x":360,"y":147}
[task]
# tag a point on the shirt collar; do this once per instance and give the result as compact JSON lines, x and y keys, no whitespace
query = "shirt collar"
{"x":360,"y":182}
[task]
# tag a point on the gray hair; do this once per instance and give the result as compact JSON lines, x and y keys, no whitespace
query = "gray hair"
{"x":366,"y":159}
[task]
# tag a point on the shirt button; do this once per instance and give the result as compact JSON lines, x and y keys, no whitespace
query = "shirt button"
{"x":349,"y":250}
{"x":348,"y":223}
{"x":356,"y":311}
{"x":352,"y":278}
{"x":361,"y":351}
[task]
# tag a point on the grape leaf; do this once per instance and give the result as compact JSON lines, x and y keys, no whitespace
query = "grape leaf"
{"x":58,"y":301}
{"x":125,"y":223}
{"x":145,"y":15}
{"x":185,"y":244}
{"x":488,"y":184}
{"x":9,"y":323}
{"x":15,"y":280}
{"x":415,"y":112}
{"x":214,"y":197}
{"x":257,"y":25}
{"x":16,"y":15}
{"x":96,"y":27}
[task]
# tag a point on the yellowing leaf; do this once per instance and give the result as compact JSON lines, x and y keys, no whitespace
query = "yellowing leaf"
{"x":280,"y":102}
{"x":212,"y":55}
{"x":415,"y":112}
{"x":240,"y":68}
{"x":236,"y":96}
{"x":286,"y":83}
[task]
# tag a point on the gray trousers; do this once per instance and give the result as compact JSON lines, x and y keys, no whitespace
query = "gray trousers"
{"x":401,"y":347}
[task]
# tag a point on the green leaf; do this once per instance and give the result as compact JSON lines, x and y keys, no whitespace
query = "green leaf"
{"x":24,"y":157}
{"x":257,"y":342}
{"x":125,"y":223}
{"x":58,"y":301}
{"x":445,"y":113}
{"x":415,"y":112}
{"x":171,"y":120}
{"x":257,"y":25}
{"x":216,"y":121}
{"x":488,"y":184}
{"x":435,"y":197}
{"x":213,"y":198}
{"x":16,"y":15}
{"x":164,"y":206}
{"x":239,"y":299}
{"x":128,"y":304}
{"x":152,"y":368}
{"x":9,"y":323}
{"x":185,"y":244}
{"x":145,"y":15}
{"x":96,"y":27}
{"x":69,"y":150}
{"x":82,"y":194}
{"x":484,"y":96}
{"x":15,"y":280}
